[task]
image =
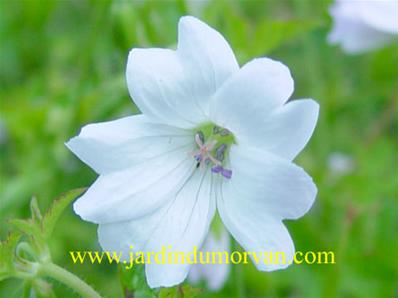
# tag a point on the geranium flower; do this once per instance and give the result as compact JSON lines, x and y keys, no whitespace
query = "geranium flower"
{"x":215,"y":275}
{"x":361,"y":26}
{"x":211,"y":136}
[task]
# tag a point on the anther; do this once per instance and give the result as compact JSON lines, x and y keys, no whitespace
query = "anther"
{"x":224,"y":132}
{"x":220,"y":152}
{"x":208,"y":154}
{"x":217,"y":169}
{"x":200,"y":138}
{"x":226,"y":173}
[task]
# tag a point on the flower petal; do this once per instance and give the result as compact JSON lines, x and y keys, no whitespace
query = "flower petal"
{"x":136,"y":191}
{"x":258,"y":234}
{"x":352,"y":32}
{"x":286,"y":131}
{"x":207,"y":55}
{"x":116,"y":145}
{"x":160,"y":86}
{"x":289,"y":191}
{"x":242,"y":103}
{"x":215,"y":275}
{"x":174,"y":87}
{"x":264,"y":190}
{"x":381,"y":15}
{"x":178,"y":226}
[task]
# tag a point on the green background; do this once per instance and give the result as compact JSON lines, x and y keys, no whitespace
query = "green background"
{"x":62,"y":66}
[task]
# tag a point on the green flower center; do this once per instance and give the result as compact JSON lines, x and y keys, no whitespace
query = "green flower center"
{"x":214,"y":143}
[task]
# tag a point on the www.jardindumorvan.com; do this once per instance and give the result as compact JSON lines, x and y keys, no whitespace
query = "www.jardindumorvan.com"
{"x":167,"y":256}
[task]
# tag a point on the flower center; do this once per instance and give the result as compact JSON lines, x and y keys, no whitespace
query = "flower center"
{"x":214,"y":143}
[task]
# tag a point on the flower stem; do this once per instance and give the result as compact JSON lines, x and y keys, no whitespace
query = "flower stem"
{"x":238,"y":275}
{"x":69,"y":279}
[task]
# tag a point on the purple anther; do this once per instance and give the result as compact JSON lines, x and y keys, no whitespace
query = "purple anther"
{"x":226,"y":173}
{"x":217,"y":169}
{"x":198,"y":157}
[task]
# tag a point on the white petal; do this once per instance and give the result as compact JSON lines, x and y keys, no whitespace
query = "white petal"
{"x":350,"y":30}
{"x":381,"y":15}
{"x":174,"y":87}
{"x":250,"y":95}
{"x":257,"y":233}
{"x":282,"y":187}
{"x":181,"y":224}
{"x":116,"y":145}
{"x":207,"y":55}
{"x":161,"y":87}
{"x":215,"y":275}
{"x":286,"y":130}
{"x":264,"y":189}
{"x":136,"y":191}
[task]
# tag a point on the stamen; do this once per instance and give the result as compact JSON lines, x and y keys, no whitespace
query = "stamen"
{"x":213,"y":160}
{"x":224,"y":132}
{"x":226,"y":173}
{"x":208,"y":154}
{"x":199,"y":138}
{"x":209,"y":146}
{"x":220,"y":152}
{"x":217,"y":169}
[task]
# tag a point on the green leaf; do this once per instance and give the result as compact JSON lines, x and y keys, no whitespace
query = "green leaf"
{"x":38,"y":228}
{"x":41,"y":227}
{"x":58,"y":206}
{"x":134,"y":282}
{"x":28,"y":227}
{"x":274,"y":33}
{"x":7,"y":252}
{"x":35,"y":210}
{"x":181,"y":291}
{"x":26,"y":288}
{"x":43,"y":289}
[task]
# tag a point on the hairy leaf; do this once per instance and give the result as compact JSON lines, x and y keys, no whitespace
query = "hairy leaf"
{"x":58,"y":206}
{"x":7,"y":249}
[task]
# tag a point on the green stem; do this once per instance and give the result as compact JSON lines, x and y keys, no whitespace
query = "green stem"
{"x":238,"y":275}
{"x":26,"y":289}
{"x":69,"y":279}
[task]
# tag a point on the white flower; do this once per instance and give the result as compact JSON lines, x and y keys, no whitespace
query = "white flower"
{"x":360,"y":26}
{"x":211,"y":136}
{"x":340,"y":163}
{"x":215,"y":275}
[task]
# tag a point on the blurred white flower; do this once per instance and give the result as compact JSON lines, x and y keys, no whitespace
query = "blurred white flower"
{"x":340,"y":163}
{"x":211,"y":134}
{"x":361,"y":26}
{"x":215,"y":275}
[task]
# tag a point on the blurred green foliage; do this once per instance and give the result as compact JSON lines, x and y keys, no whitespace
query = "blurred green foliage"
{"x":62,"y":66}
